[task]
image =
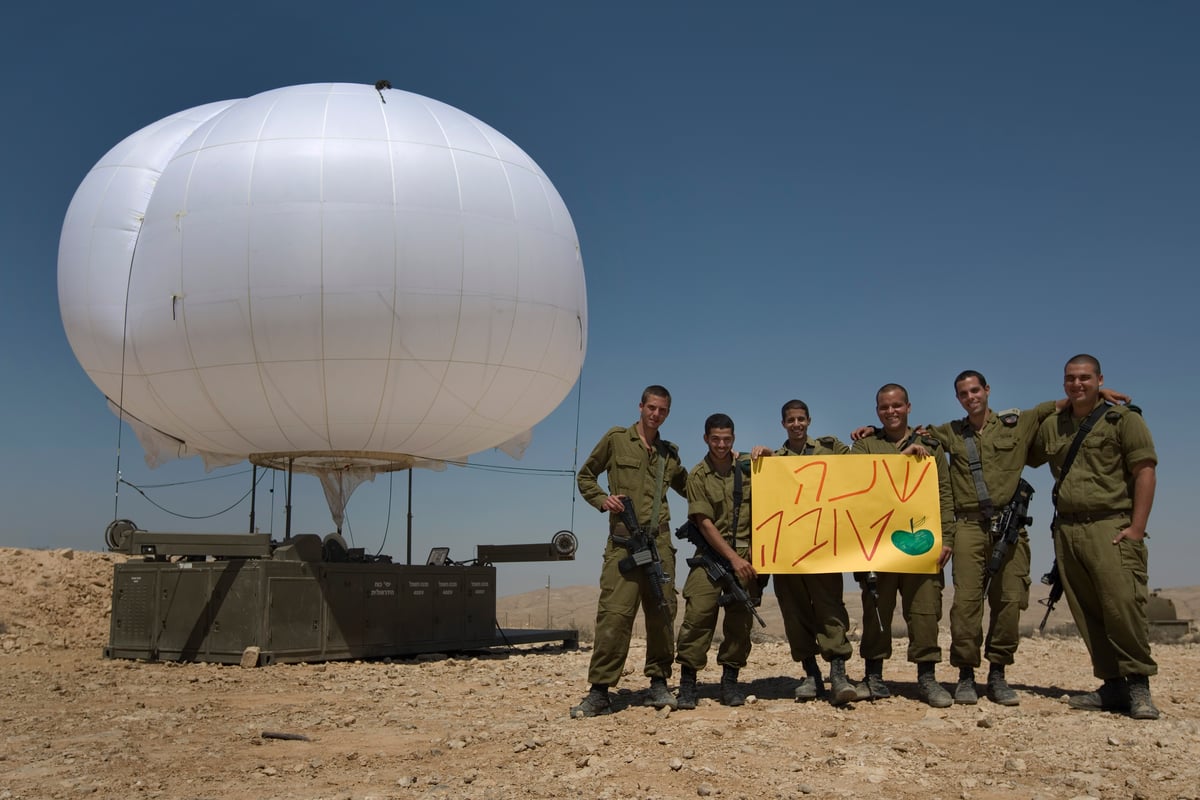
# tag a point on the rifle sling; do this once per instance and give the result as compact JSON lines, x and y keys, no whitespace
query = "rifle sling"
{"x":1085,"y":427}
{"x":986,"y":507}
{"x":737,"y":501}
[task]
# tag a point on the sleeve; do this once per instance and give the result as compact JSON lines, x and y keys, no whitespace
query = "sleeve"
{"x":1037,"y":454}
{"x":698,"y":499}
{"x":945,"y":499}
{"x":679,"y":478}
{"x":596,"y":463}
{"x":1041,"y":412}
{"x":859,"y":447}
{"x":1136,"y":443}
{"x":944,"y":433}
{"x":838,"y":447}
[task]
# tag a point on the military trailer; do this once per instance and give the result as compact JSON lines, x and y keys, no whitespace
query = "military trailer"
{"x":243,"y":598}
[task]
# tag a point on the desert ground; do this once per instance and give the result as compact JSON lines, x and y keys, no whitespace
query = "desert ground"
{"x":495,"y":724}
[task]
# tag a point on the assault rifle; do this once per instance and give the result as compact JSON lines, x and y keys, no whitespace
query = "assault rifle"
{"x":643,"y":553}
{"x":1054,"y":581}
{"x":718,"y":569}
{"x":1006,"y":528}
{"x":869,"y":582}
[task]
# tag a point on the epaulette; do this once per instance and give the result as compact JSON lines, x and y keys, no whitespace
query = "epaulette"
{"x":827,"y":441}
{"x":671,"y":446}
{"x":1009,"y":416}
{"x":930,"y":442}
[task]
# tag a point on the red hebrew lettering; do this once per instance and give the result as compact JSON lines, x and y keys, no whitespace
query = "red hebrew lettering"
{"x":820,"y":485}
{"x":881,"y":523}
{"x":874,"y":475}
{"x":903,"y":494}
{"x":778,"y":516}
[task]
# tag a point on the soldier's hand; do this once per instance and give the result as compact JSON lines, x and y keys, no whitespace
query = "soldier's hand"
{"x":743,"y":569}
{"x":1130,"y":533}
{"x":915,"y":449}
{"x":944,"y":558}
{"x":613,"y":503}
{"x":1113,"y":396}
{"x":862,"y":433}
{"x":758,"y":451}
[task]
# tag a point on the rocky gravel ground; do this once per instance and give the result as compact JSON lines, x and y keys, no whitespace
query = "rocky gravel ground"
{"x":496,"y":724}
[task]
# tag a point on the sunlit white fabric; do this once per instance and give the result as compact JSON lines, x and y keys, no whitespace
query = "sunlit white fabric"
{"x":314,"y":269}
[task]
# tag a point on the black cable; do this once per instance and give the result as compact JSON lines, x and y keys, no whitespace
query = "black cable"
{"x":161,"y":507}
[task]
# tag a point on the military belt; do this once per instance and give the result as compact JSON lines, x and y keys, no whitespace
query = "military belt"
{"x":1077,"y":517}
{"x":970,"y":516}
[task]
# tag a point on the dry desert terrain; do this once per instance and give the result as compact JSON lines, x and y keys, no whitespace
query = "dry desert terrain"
{"x":495,"y":724}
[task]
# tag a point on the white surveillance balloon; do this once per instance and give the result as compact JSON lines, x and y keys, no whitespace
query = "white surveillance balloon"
{"x":325,"y":275}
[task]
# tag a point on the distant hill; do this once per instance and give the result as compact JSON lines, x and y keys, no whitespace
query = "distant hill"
{"x":575,"y":607}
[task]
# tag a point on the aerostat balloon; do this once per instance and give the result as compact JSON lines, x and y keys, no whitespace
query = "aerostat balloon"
{"x":331,"y":276}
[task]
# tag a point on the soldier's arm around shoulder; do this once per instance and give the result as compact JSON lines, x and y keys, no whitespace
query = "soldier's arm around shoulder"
{"x":834,"y":445}
{"x":943,"y":433}
{"x":676,"y":472}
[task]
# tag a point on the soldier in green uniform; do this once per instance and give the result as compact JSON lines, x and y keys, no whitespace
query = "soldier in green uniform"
{"x":640,"y":466}
{"x":814,"y":616}
{"x":1102,"y":506}
{"x":921,"y":595}
{"x":723,"y":517}
{"x":1001,"y":445}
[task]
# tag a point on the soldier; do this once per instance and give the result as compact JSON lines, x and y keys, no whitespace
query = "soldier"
{"x":718,"y":491}
{"x":1103,"y":462}
{"x":641,"y":465}
{"x":921,"y":594}
{"x":997,"y":445}
{"x":814,"y":616}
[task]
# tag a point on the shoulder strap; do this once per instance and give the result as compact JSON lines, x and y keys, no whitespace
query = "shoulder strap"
{"x":1084,"y":428}
{"x":658,"y":486}
{"x":737,"y":499}
{"x":908,"y":441}
{"x":986,"y":507}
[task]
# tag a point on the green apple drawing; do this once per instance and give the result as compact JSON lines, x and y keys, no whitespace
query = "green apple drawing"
{"x":914,"y":541}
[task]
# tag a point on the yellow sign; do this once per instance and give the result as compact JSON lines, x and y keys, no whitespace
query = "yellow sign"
{"x":845,"y":513}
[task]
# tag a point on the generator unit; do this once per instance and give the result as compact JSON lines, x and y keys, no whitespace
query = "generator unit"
{"x":228,"y":597}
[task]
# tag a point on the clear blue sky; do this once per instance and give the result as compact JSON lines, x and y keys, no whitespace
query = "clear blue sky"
{"x":773,"y":200}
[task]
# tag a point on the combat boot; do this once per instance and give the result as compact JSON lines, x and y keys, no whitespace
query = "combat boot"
{"x":659,"y":696}
{"x":731,"y":693}
{"x":687,"y":689}
{"x":931,"y":691}
{"x":1140,"y":704}
{"x":811,"y":685}
{"x":876,"y":688}
{"x":998,"y":690}
{"x":1113,"y":695}
{"x":964,"y":690}
{"x":841,"y":691}
{"x":596,"y":702}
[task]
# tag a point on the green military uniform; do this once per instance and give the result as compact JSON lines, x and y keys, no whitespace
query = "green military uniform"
{"x":921,"y":594}
{"x":1106,"y":585}
{"x":1003,"y":446}
{"x":633,"y":471}
{"x":814,"y":616}
{"x":711,"y":494}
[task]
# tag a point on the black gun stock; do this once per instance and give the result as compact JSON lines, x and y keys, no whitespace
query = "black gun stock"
{"x":718,"y":569}
{"x":869,"y":581}
{"x":643,"y":553}
{"x":1007,"y":528}
{"x":1054,"y":580}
